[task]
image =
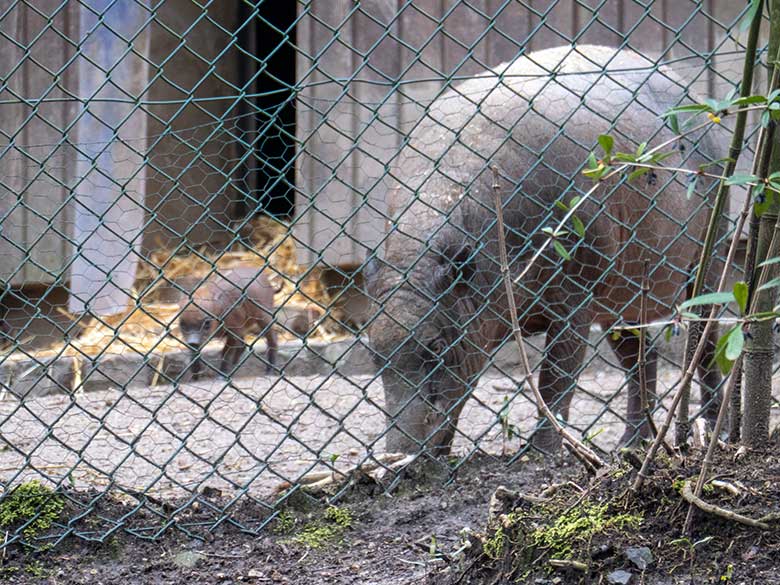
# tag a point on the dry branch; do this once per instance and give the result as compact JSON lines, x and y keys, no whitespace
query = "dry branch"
{"x":586,"y":455}
{"x":568,"y":564}
{"x":687,"y":494}
{"x":317,"y":481}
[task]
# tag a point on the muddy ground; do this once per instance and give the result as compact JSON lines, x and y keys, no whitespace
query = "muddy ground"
{"x":416,"y":534}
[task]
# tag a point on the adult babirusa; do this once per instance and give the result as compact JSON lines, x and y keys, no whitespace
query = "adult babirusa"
{"x":442,"y":308}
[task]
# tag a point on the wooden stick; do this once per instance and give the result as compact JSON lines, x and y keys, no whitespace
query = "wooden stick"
{"x":687,"y":494}
{"x":587,"y":456}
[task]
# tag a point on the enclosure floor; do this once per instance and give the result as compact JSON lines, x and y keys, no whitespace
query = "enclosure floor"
{"x":256,"y":433}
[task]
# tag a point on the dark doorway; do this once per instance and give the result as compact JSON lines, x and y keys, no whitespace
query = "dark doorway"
{"x":266,"y":179}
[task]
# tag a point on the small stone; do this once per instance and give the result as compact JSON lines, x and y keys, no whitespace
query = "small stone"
{"x":254,"y":574}
{"x":619,"y":577}
{"x":640,"y":556}
{"x":186,"y":559}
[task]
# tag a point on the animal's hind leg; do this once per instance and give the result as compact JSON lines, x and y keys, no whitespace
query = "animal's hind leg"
{"x":234,"y":348}
{"x":709,"y":376}
{"x":270,"y":338}
{"x":626,"y":349}
{"x":710,"y":379}
{"x":566,"y":344}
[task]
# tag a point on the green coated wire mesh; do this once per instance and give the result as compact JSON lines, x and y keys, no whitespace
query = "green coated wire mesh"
{"x":155,"y":158}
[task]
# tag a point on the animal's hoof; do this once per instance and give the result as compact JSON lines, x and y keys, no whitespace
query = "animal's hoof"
{"x":631,"y":438}
{"x":547,"y":441}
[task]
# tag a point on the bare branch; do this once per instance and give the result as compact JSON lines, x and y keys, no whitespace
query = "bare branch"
{"x":586,"y":455}
{"x":687,"y":494}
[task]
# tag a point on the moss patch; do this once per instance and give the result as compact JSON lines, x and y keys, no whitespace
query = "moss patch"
{"x":329,"y":530}
{"x":580,"y":525}
{"x":32,"y":504}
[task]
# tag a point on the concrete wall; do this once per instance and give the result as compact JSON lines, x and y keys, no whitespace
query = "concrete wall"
{"x":353,"y":115}
{"x":366,"y":72}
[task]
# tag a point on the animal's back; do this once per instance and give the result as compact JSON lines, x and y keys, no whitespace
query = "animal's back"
{"x":537,"y":119}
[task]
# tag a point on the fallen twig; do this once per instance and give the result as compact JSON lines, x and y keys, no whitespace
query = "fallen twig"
{"x":687,"y":494}
{"x":586,"y":455}
{"x":319,"y":480}
{"x":568,"y":564}
{"x":726,"y":487}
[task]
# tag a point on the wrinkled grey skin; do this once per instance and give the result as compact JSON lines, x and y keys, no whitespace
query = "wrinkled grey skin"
{"x":438,"y":285}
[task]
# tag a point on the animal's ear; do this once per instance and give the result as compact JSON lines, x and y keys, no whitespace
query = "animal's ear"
{"x":456,"y":265}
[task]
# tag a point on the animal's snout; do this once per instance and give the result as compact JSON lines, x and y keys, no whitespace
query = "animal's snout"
{"x":193,"y":340}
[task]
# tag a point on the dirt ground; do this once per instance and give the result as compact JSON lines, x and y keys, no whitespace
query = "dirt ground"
{"x":170,"y":441}
{"x":416,"y":535}
{"x":388,"y":541}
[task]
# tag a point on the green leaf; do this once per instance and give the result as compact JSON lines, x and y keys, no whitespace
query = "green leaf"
{"x":638,"y":173}
{"x":770,"y":261}
{"x":625,"y":157}
{"x":750,"y":15}
{"x":657,"y":157}
{"x":691,"y":186}
{"x":684,"y":109}
{"x":741,"y":295}
{"x":749,"y":100}
{"x":774,"y":283}
{"x":668,"y":332}
{"x":606,"y":142}
{"x":641,"y":149}
{"x":765,"y":119}
{"x":561,"y":250}
{"x":552,"y":233}
{"x":635,"y":332}
{"x":593,"y":163}
{"x":594,"y":174}
{"x":735,"y":344}
{"x":716,"y":162}
{"x":716,"y":298}
{"x":574,"y":201}
{"x":742,"y":179}
{"x":764,"y":315}
{"x":674,"y":123}
{"x":762,"y":199}
{"x":615,"y":336}
{"x":561,"y":205}
{"x":721,"y":349}
{"x":579,"y":227}
{"x":714,"y":105}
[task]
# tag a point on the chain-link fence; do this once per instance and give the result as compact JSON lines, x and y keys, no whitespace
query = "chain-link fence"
{"x":315,"y":181}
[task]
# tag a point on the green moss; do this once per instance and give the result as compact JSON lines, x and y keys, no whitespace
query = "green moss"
{"x":339,"y":516}
{"x":317,"y":535}
{"x":330,"y":530}
{"x":8,"y":571}
{"x":580,"y":525}
{"x":35,"y":568}
{"x":33,"y":504}
{"x":493,"y":547}
{"x":284,"y":522}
